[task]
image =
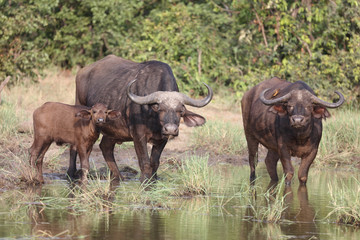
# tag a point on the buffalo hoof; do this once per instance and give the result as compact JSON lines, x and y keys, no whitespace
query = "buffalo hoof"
{"x":303,"y":180}
{"x":147,"y":180}
{"x":252,"y":177}
{"x":38,"y":181}
{"x":116,"y":177}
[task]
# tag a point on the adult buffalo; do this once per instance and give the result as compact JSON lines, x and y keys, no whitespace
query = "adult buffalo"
{"x":286,"y":118}
{"x":148,"y":98}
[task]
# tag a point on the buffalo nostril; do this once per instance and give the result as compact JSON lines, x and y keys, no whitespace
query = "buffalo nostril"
{"x":297,"y":119}
{"x":170,"y":129}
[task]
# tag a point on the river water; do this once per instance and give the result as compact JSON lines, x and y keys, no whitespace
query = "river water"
{"x":213,"y":217}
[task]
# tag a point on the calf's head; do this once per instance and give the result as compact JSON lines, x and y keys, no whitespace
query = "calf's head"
{"x":300,"y":105}
{"x":98,"y":114}
{"x":170,"y":107}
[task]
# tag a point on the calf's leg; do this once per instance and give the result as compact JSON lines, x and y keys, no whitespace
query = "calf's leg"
{"x":72,"y":162}
{"x":84,"y":162}
{"x":37,"y":153}
{"x":107,"y":148}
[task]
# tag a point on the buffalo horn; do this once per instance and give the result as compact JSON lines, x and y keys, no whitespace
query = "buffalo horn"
{"x":199,"y":103}
{"x":274,"y":101}
{"x":149,"y":99}
{"x":317,"y":100}
{"x":156,"y":96}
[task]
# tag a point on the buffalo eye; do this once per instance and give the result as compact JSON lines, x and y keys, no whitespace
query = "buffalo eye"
{"x":155,"y":107}
{"x":182,"y":111}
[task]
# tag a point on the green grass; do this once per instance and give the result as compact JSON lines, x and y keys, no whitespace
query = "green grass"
{"x":340,"y":143}
{"x":274,"y":204}
{"x":95,"y":196}
{"x":126,"y":145}
{"x":9,"y":119}
{"x":345,"y":202}
{"x":220,"y":137}
{"x":195,"y":176}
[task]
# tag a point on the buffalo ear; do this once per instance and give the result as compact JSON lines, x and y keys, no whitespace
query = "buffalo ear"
{"x":113,"y":114}
{"x":84,"y":114}
{"x":278,"y":108}
{"x":192,"y":119}
{"x":321,"y":112}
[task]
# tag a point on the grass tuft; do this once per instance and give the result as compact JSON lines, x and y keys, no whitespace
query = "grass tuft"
{"x":345,"y":202}
{"x":275,"y":205}
{"x":17,"y":169}
{"x":195,"y":176}
{"x":9,"y":120}
{"x":220,"y":137}
{"x":340,"y":143}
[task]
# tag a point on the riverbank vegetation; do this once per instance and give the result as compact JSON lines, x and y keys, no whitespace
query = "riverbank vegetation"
{"x":231,"y":44}
{"x":344,"y":202}
{"x":231,"y":194}
{"x":191,"y":177}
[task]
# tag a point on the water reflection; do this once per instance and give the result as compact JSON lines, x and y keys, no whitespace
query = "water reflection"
{"x":190,"y":218}
{"x":303,"y":215}
{"x":299,"y":213}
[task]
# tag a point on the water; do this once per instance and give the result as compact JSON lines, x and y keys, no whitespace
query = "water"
{"x":191,"y":218}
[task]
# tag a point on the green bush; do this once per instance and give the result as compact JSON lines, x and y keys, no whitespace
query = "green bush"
{"x":235,"y":44}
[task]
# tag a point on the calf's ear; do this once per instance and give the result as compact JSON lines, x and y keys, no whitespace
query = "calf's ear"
{"x":279,"y":109}
{"x":113,"y":114}
{"x":84,"y":114}
{"x":192,"y":119}
{"x":321,"y":112}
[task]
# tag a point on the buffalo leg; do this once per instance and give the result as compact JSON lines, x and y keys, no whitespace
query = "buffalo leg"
{"x":37,"y":153}
{"x":271,"y":162}
{"x":107,"y":148}
{"x":140,"y":145}
{"x":84,"y":162}
{"x":155,"y":157}
{"x":72,"y":162}
{"x":253,"y":149}
{"x":305,"y":165}
{"x":285,"y":159}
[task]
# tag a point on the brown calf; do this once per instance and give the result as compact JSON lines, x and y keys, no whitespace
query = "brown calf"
{"x":62,"y":123}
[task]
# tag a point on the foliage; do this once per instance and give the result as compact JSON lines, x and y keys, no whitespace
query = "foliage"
{"x":225,"y":43}
{"x":23,"y":30}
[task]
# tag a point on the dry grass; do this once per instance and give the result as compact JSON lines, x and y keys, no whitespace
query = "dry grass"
{"x":220,"y":137}
{"x":345,"y":201}
{"x":340,"y":143}
{"x":16,"y":130}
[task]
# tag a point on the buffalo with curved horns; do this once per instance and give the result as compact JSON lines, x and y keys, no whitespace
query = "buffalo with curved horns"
{"x":149,"y":100}
{"x":286,"y":118}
